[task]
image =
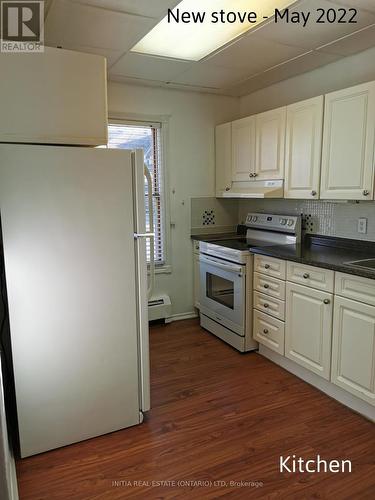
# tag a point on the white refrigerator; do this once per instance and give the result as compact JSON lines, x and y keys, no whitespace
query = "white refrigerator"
{"x":74,"y":245}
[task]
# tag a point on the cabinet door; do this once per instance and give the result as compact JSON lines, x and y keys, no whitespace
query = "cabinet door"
{"x":243,"y":148}
{"x":270,"y":144}
{"x":196,"y":280}
{"x":55,"y":97}
{"x":353,"y":349}
{"x":308,"y":328}
{"x":223,"y":158}
{"x":304,"y":133}
{"x":348,"y":143}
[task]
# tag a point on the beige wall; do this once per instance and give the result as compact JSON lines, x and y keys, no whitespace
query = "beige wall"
{"x":343,"y":73}
{"x":190,"y":163}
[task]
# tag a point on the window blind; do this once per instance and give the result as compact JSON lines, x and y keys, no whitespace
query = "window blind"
{"x":146,"y":136}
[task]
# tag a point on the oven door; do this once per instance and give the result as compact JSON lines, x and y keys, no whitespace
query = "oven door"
{"x":222,"y":296}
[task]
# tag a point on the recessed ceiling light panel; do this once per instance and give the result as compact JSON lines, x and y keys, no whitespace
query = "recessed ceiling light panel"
{"x":196,"y":28}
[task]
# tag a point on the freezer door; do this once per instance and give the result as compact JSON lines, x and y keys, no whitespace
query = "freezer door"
{"x":70,"y":259}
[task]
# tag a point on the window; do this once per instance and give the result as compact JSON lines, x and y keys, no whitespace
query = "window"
{"x":146,"y":136}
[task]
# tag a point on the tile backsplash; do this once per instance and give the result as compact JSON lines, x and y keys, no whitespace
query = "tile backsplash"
{"x":213,"y":215}
{"x":319,"y":217}
{"x":329,"y":218}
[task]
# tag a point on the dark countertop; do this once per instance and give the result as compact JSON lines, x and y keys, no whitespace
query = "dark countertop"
{"x":324,"y":251}
{"x":319,"y":251}
{"x":215,"y":236}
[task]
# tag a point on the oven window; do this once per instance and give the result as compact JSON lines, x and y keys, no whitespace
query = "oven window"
{"x":220,"y":290}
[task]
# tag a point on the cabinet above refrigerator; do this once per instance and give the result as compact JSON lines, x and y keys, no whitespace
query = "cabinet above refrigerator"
{"x":55,"y":97}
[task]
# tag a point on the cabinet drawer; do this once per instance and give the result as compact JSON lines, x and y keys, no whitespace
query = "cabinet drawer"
{"x":269,"y":286}
{"x":315,"y":277}
{"x":269,"y":305}
{"x":355,"y":287}
{"x":269,"y":332}
{"x":270,"y":266}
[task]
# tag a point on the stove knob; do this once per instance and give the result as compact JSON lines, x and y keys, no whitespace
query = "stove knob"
{"x":290,"y":222}
{"x":255,"y":218}
{"x":283,"y":222}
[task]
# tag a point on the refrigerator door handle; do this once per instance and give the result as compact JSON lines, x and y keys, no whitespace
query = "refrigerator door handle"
{"x":151,"y":235}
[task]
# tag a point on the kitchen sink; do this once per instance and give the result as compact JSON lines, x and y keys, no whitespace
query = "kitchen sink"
{"x":366,"y":263}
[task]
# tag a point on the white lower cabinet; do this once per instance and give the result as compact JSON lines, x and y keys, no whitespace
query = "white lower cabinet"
{"x":269,"y":331}
{"x":308,"y":328}
{"x":353,"y":348}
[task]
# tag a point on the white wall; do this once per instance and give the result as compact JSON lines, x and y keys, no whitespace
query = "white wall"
{"x":190,"y":164}
{"x":340,"y":74}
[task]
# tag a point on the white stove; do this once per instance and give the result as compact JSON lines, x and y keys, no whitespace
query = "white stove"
{"x":226,"y":276}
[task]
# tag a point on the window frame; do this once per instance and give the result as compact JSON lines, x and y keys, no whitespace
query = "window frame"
{"x":161,"y":122}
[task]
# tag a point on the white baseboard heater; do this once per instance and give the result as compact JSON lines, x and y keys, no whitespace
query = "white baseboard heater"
{"x":159,"y":307}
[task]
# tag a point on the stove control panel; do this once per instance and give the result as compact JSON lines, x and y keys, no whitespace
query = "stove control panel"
{"x":272,"y":222}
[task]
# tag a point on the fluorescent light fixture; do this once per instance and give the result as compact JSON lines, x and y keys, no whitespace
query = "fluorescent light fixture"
{"x":194,"y":40}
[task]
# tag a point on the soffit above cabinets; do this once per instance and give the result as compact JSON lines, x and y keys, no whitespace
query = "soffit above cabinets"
{"x":263,"y":56}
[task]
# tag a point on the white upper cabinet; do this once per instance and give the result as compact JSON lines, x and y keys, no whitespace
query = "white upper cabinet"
{"x":270,"y":144}
{"x":348,"y":144}
{"x":303,"y":149}
{"x":243,"y":149}
{"x":56,"y":97}
{"x":223,"y":152}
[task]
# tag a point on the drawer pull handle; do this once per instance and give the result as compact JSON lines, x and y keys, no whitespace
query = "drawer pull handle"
{"x":366,"y":192}
{"x":267,"y":266}
{"x":266,"y":286}
{"x":326,"y":301}
{"x":266,"y":305}
{"x":265,"y":331}
{"x":313,"y":193}
{"x":227,"y":188}
{"x":306,"y":276}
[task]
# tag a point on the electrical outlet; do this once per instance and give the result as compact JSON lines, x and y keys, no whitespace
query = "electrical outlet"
{"x":362,"y":225}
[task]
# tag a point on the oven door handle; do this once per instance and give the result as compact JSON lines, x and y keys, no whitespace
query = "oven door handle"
{"x":221,"y":265}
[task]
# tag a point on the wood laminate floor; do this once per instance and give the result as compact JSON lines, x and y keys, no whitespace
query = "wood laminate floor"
{"x":217,"y":415}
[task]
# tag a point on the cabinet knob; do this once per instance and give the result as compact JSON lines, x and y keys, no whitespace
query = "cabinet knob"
{"x":266,"y":286}
{"x":266,"y":305}
{"x":326,"y":301}
{"x":306,"y":276}
{"x":267,"y":266}
{"x":366,"y":192}
{"x":251,"y":175}
{"x":227,"y":189}
{"x":255,"y":175}
{"x":313,"y":193}
{"x":265,"y":331}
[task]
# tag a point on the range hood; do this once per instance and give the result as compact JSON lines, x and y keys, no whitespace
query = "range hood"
{"x":256,"y":189}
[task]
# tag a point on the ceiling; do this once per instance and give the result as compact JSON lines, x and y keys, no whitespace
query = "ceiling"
{"x":265,"y":55}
